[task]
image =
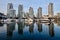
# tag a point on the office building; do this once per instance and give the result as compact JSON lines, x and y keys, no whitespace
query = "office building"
{"x":50,"y":10}
{"x":39,"y":13}
{"x":9,"y":6}
{"x":20,"y":11}
{"x":31,"y":12}
{"x":10,"y":11}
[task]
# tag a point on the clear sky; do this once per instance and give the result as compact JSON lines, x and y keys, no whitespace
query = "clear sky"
{"x":33,"y":3}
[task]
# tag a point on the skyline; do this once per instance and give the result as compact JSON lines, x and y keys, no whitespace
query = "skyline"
{"x":30,"y":3}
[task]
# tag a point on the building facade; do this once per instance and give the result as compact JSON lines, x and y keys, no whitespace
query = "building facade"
{"x":39,"y":13}
{"x":31,"y":12}
{"x":9,"y":6}
{"x":10,"y":11}
{"x":20,"y":11}
{"x":50,"y":10}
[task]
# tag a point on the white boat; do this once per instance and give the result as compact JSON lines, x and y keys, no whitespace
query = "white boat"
{"x":28,"y":20}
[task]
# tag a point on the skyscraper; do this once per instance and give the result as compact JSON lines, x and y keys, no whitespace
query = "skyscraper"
{"x":20,"y":11}
{"x":9,"y":6}
{"x":39,"y":13}
{"x":50,"y":9}
{"x":31,"y":12}
{"x":10,"y":11}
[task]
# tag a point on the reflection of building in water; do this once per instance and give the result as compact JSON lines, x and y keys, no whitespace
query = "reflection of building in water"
{"x":31,"y":27}
{"x":10,"y":29}
{"x":39,"y":27}
{"x":51,"y":29}
{"x":20,"y":27}
{"x":26,"y":24}
{"x":1,"y":24}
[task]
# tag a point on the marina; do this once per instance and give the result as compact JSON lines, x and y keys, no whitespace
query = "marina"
{"x":29,"y":31}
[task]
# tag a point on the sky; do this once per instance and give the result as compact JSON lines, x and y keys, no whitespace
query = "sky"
{"x":30,"y":3}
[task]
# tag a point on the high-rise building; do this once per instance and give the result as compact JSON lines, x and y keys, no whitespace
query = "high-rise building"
{"x":10,"y":11}
{"x":20,"y":11}
{"x":9,"y":6}
{"x":39,"y":13}
{"x":50,"y":9}
{"x":31,"y":12}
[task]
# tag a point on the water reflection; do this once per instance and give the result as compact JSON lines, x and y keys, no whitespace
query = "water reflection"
{"x":1,"y":24}
{"x":25,"y":31}
{"x":39,"y":27}
{"x":26,"y":24}
{"x":20,"y":27}
{"x":10,"y":29}
{"x":31,"y":27}
{"x":51,"y":29}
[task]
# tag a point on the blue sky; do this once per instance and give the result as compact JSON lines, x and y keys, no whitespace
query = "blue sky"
{"x":33,"y":3}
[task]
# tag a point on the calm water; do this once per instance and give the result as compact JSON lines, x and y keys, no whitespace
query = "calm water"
{"x":30,"y":31}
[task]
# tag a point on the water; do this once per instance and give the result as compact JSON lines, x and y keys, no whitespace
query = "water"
{"x":30,"y":31}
